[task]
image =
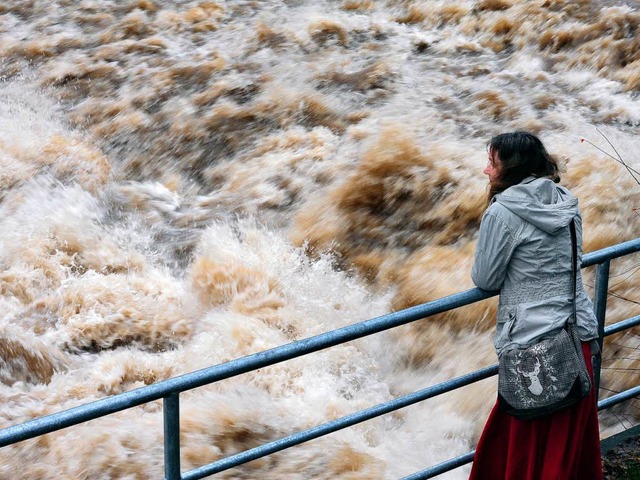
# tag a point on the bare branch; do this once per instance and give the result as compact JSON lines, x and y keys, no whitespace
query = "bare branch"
{"x":631,"y":170}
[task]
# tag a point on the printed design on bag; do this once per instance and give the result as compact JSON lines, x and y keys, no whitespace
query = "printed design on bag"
{"x":537,"y":376}
{"x":534,"y":387}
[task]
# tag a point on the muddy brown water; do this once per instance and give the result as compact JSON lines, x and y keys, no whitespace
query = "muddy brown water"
{"x":186,"y":182}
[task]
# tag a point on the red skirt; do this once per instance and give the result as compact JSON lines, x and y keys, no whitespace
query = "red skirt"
{"x":562,"y":446}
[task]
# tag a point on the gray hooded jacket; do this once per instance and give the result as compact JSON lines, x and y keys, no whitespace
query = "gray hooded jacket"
{"x":524,"y":250}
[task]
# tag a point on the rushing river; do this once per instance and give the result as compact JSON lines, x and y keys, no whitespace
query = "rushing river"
{"x":187,"y":182}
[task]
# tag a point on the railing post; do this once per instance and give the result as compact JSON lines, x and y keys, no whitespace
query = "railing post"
{"x":171,"y":413}
{"x":600,"y":308}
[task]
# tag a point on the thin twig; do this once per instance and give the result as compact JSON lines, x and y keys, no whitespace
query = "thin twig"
{"x":629,"y":169}
{"x":625,"y":278}
{"x":619,"y":156}
{"x":619,"y":345}
{"x":617,"y":417}
{"x":635,"y":267}
{"x":617,"y":295}
{"x":613,"y":294}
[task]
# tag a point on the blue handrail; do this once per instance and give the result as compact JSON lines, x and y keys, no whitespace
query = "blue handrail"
{"x":340,"y":423}
{"x":205,"y":376}
{"x":169,"y":389}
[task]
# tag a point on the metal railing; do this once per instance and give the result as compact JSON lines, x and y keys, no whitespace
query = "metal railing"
{"x":169,"y":390}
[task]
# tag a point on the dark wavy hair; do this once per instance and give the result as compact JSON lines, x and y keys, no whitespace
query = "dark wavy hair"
{"x":520,"y":155}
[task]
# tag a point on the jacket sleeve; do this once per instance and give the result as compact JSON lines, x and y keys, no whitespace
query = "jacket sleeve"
{"x":493,"y":251}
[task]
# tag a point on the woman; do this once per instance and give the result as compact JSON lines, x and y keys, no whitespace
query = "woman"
{"x":524,"y":250}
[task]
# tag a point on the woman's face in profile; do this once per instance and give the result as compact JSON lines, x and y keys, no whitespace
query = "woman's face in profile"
{"x":491,"y":170}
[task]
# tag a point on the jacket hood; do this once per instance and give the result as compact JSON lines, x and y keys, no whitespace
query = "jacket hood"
{"x":540,"y":202}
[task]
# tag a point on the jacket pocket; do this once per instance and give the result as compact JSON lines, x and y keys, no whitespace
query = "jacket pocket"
{"x":536,"y":320}
{"x":503,"y":331}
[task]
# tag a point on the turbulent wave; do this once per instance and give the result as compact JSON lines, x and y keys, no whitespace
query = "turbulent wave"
{"x":186,"y":182}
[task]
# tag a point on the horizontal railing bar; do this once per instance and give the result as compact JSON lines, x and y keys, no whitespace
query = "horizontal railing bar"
{"x":468,"y":457}
{"x":622,"y":325}
{"x":368,"y":414}
{"x":618,"y":398}
{"x":339,"y":424}
{"x":109,"y":405}
{"x":609,"y":253}
{"x":443,"y":467}
{"x":149,"y":393}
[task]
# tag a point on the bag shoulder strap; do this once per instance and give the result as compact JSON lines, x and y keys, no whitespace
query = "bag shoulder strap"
{"x":574,"y":268}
